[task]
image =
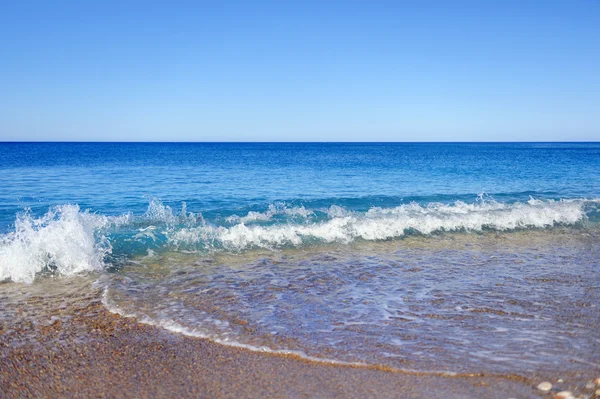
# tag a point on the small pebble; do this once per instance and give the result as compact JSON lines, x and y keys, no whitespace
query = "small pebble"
{"x":565,"y":395}
{"x":560,"y":380}
{"x":597,"y":392}
{"x":597,"y":381}
{"x":544,"y":386}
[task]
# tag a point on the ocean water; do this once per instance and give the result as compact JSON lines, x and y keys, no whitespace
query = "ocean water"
{"x":461,"y":258}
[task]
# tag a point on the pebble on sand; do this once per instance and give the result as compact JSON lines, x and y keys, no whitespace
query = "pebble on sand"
{"x":597,"y":381}
{"x":544,"y":386}
{"x":565,"y":395}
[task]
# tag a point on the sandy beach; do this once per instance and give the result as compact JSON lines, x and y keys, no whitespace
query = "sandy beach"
{"x":93,"y":353}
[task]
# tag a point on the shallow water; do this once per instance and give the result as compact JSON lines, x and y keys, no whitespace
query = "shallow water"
{"x":520,"y":303}
{"x":28,"y":309}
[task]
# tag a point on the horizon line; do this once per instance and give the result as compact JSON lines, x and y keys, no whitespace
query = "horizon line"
{"x":300,"y":142}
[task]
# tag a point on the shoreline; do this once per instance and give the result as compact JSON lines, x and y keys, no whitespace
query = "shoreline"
{"x":119,"y":357}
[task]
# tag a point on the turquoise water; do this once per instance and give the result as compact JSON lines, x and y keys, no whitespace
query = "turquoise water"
{"x":408,"y":255}
{"x":225,"y":185}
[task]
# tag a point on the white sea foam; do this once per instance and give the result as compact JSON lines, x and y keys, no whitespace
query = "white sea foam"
{"x":178,"y":328}
{"x":386,"y":223}
{"x":175,"y":327}
{"x":159,"y":213}
{"x":273,"y":209}
{"x":337,"y":211}
{"x":65,"y":240}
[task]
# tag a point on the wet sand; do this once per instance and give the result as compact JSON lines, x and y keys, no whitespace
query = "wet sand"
{"x":93,"y":353}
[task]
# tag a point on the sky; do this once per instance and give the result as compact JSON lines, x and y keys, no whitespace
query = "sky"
{"x":300,"y":71}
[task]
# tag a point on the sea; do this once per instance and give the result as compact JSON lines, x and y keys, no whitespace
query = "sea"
{"x":429,"y":257}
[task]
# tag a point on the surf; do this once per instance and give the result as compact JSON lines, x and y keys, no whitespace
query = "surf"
{"x":68,"y":240}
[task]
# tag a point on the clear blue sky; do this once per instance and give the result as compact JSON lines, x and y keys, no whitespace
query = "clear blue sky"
{"x":455,"y":70}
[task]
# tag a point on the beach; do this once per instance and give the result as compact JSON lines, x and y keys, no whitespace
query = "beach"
{"x":122,"y":358}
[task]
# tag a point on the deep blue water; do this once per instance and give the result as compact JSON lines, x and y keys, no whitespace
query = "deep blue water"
{"x":226,"y":178}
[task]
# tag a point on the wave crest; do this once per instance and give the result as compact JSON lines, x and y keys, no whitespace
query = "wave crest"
{"x":67,"y":241}
{"x":386,"y":223}
{"x":64,"y":240}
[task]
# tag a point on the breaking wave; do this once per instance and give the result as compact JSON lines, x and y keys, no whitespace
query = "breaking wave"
{"x":67,"y":240}
{"x":343,"y":226}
